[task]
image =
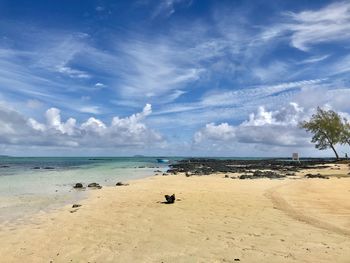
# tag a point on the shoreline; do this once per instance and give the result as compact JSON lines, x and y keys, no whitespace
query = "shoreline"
{"x":217,"y":219}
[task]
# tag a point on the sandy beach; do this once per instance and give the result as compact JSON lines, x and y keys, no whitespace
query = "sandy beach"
{"x":215,"y":219}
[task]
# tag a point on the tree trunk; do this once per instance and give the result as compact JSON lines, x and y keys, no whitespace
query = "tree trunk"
{"x":335,"y":152}
{"x":331,"y":144}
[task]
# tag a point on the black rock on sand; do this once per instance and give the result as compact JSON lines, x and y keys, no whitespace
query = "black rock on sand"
{"x":170,"y":199}
{"x":94,"y":185}
{"x":78,"y":185}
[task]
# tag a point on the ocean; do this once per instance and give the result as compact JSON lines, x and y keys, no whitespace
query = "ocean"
{"x":39,"y":184}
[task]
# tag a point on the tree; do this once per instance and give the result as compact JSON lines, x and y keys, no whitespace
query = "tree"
{"x":327,"y":129}
{"x":345,"y":138}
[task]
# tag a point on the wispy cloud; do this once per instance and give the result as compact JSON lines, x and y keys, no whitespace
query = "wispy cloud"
{"x":314,"y":59}
{"x":166,"y":8}
{"x":312,"y":27}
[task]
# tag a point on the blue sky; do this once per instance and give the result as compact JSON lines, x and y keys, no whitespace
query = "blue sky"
{"x":172,"y":77}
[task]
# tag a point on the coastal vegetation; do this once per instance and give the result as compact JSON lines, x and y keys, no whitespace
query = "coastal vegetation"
{"x":328,"y":129}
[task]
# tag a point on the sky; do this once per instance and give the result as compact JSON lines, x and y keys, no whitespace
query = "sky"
{"x":171,"y":77}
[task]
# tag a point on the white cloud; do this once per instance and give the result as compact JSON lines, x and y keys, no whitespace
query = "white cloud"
{"x":122,"y":132}
{"x":222,"y":132}
{"x":289,"y":115}
{"x":167,"y":7}
{"x":90,"y":109}
{"x":100,"y":85}
{"x":308,"y":28}
{"x":73,"y":73}
{"x":93,"y":125}
{"x":154,"y":70}
{"x":279,"y":128}
{"x":314,"y":59}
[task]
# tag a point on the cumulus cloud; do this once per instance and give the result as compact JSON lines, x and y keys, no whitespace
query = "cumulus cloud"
{"x":127,"y":131}
{"x":277,"y":128}
{"x":211,"y":131}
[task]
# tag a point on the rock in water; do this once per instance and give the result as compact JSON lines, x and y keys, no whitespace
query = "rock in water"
{"x":121,"y":184}
{"x":78,"y":185}
{"x":76,"y":205}
{"x":170,"y":199}
{"x":95,"y":185}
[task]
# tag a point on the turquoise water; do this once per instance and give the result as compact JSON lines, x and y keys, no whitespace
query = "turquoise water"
{"x":31,"y":185}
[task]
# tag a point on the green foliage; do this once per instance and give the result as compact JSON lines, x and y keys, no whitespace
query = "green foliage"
{"x":345,"y":139}
{"x":327,"y":129}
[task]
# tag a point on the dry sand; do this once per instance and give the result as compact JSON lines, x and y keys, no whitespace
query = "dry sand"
{"x":217,"y":220}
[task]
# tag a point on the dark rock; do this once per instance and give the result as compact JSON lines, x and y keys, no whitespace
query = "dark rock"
{"x":121,"y":184}
{"x":226,"y":176}
{"x":261,"y":174}
{"x":246,"y":176}
{"x":49,"y":168}
{"x":36,"y":167}
{"x":202,"y":166}
{"x":170,"y":199}
{"x":76,"y":205}
{"x":95,"y":185}
{"x":165,"y":174}
{"x":78,"y":185}
{"x":316,"y":176}
{"x":4,"y":166}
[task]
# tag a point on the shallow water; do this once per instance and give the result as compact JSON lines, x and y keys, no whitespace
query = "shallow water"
{"x":31,"y":185}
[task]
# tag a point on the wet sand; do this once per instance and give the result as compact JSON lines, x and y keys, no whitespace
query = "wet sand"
{"x":217,"y":219}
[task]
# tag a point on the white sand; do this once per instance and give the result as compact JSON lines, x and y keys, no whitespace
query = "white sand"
{"x":217,"y":220}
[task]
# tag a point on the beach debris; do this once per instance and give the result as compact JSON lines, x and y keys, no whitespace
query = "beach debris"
{"x":316,"y":176}
{"x":226,"y":176}
{"x":94,"y":185}
{"x":237,"y":259}
{"x":170,"y":199}
{"x":76,"y":205}
{"x":121,"y":184}
{"x":78,"y":185}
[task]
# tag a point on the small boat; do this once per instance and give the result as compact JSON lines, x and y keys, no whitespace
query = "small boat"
{"x":162,"y":160}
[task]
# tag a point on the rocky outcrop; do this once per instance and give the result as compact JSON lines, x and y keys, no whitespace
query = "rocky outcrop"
{"x":202,"y":166}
